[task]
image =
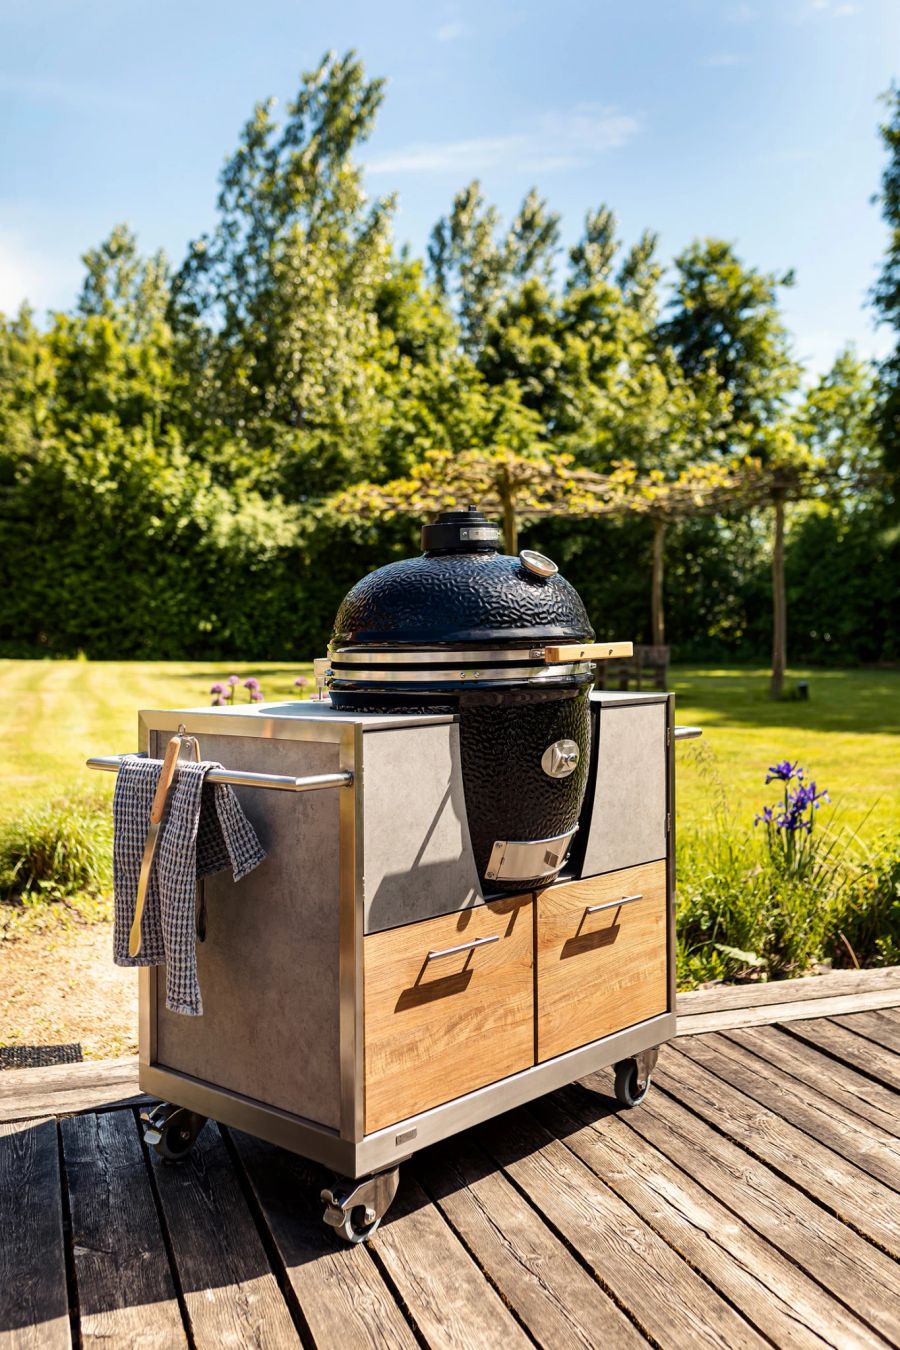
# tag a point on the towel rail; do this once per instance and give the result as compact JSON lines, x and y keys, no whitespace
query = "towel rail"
{"x":242,"y":778}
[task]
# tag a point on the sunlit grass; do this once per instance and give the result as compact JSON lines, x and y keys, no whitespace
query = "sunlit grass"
{"x":53,"y":714}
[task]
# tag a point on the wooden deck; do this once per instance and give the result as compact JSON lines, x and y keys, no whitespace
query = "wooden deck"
{"x":751,"y":1200}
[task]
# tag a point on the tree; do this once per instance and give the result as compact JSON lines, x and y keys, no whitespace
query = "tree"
{"x":473,"y":264}
{"x":886,"y":293}
{"x":724,"y":317}
{"x":280,"y":301}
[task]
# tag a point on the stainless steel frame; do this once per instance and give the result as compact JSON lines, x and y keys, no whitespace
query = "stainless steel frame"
{"x":349,"y":1150}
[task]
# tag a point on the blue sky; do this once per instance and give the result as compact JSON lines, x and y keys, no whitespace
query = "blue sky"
{"x":752,"y":121}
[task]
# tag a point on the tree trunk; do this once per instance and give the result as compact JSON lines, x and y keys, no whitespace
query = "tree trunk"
{"x":779,"y":602}
{"x":510,"y":525}
{"x":657,"y":617}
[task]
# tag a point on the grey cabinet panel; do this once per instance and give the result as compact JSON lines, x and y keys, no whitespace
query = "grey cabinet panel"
{"x":268,"y":969}
{"x":627,"y":823}
{"x":417,"y":855}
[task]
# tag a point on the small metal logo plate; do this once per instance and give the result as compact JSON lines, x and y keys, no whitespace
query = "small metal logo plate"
{"x":560,"y":759}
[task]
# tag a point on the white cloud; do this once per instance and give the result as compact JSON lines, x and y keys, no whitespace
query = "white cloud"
{"x":449,"y":32}
{"x":44,"y":279}
{"x":555,"y":140}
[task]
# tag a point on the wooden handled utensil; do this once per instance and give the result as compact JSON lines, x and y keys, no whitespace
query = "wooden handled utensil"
{"x":587,"y":651}
{"x":157,"y":811}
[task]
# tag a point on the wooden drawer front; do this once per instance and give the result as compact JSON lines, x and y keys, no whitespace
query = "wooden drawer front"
{"x":436,"y":1029}
{"x":600,"y":972}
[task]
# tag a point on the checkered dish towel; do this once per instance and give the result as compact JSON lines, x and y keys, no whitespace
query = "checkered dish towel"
{"x":204,"y":831}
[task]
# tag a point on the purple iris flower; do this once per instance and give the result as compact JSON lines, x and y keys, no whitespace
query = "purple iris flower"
{"x":233,"y":679}
{"x":251,"y":683}
{"x":765,"y":816}
{"x":217,"y":689}
{"x":784,"y":771}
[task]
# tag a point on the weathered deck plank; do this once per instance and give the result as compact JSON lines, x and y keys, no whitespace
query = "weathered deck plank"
{"x":62,"y":1089}
{"x":836,"y":983}
{"x":451,"y":1303}
{"x":881,"y":1027}
{"x":864,"y":1056}
{"x":872,"y":1149}
{"x":34,"y":1305}
{"x":863,"y":1278}
{"x":751,"y":1200}
{"x":771,"y":1292}
{"x":230,"y":1292}
{"x":340,"y":1292}
{"x":858,"y":1199}
{"x":669,"y":1301}
{"x":837,"y":1081}
{"x":791,"y":1010}
{"x":125,"y":1291}
{"x":552,"y":1295}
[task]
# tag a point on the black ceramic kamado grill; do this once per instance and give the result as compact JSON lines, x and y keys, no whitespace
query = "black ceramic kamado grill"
{"x":505,"y":644}
{"x":425,"y":946}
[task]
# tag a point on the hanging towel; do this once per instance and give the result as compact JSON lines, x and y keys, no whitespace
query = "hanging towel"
{"x":204,"y":831}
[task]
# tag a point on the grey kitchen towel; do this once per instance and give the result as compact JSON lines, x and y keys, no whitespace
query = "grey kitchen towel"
{"x":204,"y":831}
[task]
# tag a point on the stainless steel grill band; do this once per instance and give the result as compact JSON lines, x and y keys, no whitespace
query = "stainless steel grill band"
{"x":535,"y":674}
{"x":432,"y":656}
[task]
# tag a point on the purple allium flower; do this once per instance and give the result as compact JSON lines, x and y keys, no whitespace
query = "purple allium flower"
{"x":784,"y":771}
{"x":233,"y":679}
{"x":251,"y":683}
{"x":301,"y":682}
{"x":256,"y":696}
{"x":217,"y":689}
{"x":218,"y":701}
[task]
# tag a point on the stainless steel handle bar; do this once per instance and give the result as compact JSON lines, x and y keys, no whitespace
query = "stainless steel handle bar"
{"x":688,"y":733}
{"x":463,"y":947}
{"x":242,"y":778}
{"x":614,"y":904}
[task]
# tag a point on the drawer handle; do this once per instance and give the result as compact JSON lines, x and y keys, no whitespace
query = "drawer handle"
{"x":613,"y":904}
{"x":463,"y":947}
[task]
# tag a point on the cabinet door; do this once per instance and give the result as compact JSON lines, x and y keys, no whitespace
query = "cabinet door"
{"x":626,"y":820}
{"x":449,"y":1007}
{"x":601,"y":956}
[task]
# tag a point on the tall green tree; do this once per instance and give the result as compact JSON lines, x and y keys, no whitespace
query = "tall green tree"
{"x":280,"y":300}
{"x":724,"y":316}
{"x":886,"y":293}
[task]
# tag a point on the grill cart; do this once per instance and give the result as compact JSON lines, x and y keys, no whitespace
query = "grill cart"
{"x":467,"y":899}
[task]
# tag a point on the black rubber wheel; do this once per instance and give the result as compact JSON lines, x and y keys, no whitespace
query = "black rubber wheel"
{"x":629,"y":1089}
{"x":354,"y":1228}
{"x":178,"y":1135}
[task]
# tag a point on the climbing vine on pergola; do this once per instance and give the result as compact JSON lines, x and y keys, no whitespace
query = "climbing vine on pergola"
{"x":520,"y":486}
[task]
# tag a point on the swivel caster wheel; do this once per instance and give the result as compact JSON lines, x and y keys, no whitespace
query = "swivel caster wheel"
{"x":633,"y":1077}
{"x":171,"y":1131}
{"x":354,"y":1209}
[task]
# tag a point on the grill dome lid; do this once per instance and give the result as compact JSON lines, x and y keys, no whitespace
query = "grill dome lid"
{"x":462,"y":590}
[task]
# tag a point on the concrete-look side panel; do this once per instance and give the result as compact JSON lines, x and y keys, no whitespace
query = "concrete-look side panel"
{"x":268,"y":969}
{"x":417,"y":855}
{"x":628,"y":814}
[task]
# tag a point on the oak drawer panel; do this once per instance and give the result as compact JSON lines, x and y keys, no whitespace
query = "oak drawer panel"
{"x":598,"y":973}
{"x":438,"y":1028}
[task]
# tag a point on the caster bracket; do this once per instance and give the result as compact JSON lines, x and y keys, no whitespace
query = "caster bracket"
{"x":355,"y":1208}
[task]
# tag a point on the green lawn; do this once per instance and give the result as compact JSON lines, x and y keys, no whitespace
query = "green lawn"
{"x":53,"y":714}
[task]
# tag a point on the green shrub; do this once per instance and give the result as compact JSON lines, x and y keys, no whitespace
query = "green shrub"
{"x":761,"y":903}
{"x":64,"y":849}
{"x":867,"y":918}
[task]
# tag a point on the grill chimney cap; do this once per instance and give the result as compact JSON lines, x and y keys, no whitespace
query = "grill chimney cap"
{"x":461,"y":532}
